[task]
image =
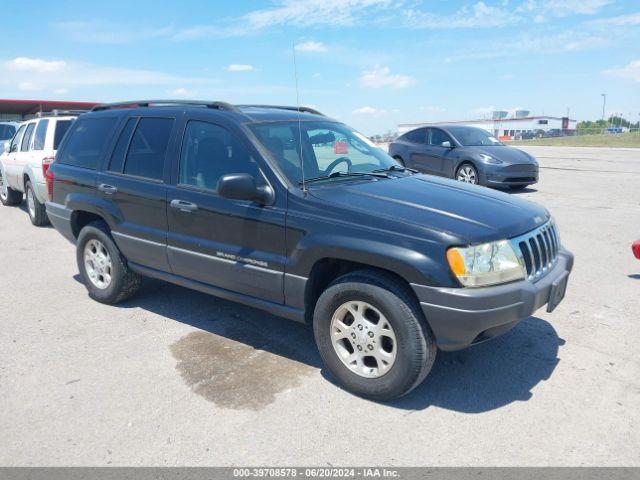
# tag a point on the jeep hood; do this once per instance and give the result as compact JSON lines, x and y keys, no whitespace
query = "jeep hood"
{"x":470,"y":213}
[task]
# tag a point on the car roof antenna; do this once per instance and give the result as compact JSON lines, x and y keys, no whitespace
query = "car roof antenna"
{"x":295,"y":75}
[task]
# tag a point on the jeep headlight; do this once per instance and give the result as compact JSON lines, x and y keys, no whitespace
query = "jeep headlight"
{"x":486,"y":264}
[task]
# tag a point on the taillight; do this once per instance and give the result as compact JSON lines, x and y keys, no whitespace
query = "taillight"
{"x":48,"y":175}
{"x":636,"y":249}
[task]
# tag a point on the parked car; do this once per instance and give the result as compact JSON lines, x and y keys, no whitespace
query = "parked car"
{"x":468,"y":154}
{"x":252,"y":204}
{"x":7,"y":130}
{"x":24,"y":165}
{"x":635,"y":247}
{"x":531,"y":134}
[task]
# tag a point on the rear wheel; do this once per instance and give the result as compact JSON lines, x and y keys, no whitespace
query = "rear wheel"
{"x":37,"y":210}
{"x":467,"y":173}
{"x":9,"y":196}
{"x":372,"y":335}
{"x":103,"y":269}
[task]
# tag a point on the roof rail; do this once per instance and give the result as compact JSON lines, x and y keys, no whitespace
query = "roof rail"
{"x":159,"y":103}
{"x":283,"y":107}
{"x":58,"y":113}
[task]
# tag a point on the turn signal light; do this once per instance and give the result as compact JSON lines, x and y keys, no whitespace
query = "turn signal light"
{"x":636,"y":249}
{"x":456,"y":262}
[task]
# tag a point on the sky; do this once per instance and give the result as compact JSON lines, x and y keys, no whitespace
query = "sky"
{"x":370,"y":63}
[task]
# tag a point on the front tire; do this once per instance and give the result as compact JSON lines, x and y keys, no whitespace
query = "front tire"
{"x":372,"y":335}
{"x":37,"y":211}
{"x":8,"y":196}
{"x":467,"y":173}
{"x":103,"y":269}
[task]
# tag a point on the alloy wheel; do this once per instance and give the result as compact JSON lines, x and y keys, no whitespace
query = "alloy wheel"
{"x":467,"y":174}
{"x":363,"y":339}
{"x":97,"y":263}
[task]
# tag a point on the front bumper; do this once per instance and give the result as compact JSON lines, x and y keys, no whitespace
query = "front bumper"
{"x":460,"y":317}
{"x":520,"y":174}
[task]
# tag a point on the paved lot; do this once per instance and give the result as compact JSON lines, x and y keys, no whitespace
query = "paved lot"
{"x":174,"y":377}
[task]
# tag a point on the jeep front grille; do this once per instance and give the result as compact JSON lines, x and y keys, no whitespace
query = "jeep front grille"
{"x":538,"y":250}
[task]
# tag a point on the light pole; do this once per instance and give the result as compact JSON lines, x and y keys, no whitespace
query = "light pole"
{"x":604,"y":103}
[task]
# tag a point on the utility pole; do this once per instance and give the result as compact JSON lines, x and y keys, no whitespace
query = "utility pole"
{"x":604,"y":103}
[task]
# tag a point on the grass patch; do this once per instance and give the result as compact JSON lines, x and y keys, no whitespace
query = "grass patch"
{"x":619,"y":140}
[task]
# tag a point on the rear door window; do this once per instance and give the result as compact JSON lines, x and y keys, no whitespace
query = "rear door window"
{"x":27,"y":137}
{"x":416,"y":136}
{"x":120,"y":151}
{"x":148,"y":148}
{"x":87,"y":142}
{"x":61,"y":128}
{"x":41,"y":133}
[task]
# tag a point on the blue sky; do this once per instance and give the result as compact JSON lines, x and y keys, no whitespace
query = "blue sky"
{"x":370,"y":63}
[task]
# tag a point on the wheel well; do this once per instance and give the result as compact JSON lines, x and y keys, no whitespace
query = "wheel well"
{"x":399,"y":158}
{"x":25,"y":179}
{"x":326,"y":270}
{"x":464,"y":162}
{"x":80,"y":218}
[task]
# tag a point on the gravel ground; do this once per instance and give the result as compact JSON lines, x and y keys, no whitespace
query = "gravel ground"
{"x":175,"y":377}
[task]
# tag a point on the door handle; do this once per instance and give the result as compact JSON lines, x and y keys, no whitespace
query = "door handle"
{"x":108,"y":189}
{"x":183,"y":206}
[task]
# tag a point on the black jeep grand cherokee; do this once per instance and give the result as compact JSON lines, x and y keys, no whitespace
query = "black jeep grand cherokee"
{"x":289,"y":211}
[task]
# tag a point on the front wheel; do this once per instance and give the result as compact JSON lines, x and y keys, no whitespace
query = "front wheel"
{"x":9,"y":196}
{"x":103,"y":269}
{"x":37,"y":211}
{"x":467,"y":173}
{"x":372,"y":335}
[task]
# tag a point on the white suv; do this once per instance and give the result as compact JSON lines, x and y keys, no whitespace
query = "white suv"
{"x":25,"y":161}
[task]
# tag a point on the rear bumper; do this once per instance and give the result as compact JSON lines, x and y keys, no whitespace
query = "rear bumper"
{"x":460,"y":317}
{"x":60,"y":218}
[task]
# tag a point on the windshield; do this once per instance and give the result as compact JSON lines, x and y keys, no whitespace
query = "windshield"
{"x":470,"y":137}
{"x":327,"y":147}
{"x":7,"y":131}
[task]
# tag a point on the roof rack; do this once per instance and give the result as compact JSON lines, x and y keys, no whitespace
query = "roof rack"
{"x":283,"y":107}
{"x":58,"y":113}
{"x":159,"y":103}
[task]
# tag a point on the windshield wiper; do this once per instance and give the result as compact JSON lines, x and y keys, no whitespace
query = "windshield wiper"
{"x":396,"y":168}
{"x":346,"y":174}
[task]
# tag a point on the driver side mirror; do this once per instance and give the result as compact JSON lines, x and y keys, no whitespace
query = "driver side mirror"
{"x":446,"y":144}
{"x":242,"y":186}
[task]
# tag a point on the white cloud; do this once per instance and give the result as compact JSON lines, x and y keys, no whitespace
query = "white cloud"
{"x":239,"y":67}
{"x":381,"y":77}
{"x":181,"y":92}
{"x":431,"y":109}
{"x":367,"y":111}
{"x":631,"y":70}
{"x":109,"y":33}
{"x":620,"y":21}
{"x":61,"y":91}
{"x":479,"y":15}
{"x":36,"y":65}
{"x":563,"y":8}
{"x":311,"y":47}
{"x":29,"y":86}
{"x":30,"y":74}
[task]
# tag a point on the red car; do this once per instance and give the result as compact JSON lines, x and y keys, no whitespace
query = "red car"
{"x":636,"y":249}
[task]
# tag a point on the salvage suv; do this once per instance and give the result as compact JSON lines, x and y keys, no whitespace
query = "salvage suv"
{"x":288,"y":211}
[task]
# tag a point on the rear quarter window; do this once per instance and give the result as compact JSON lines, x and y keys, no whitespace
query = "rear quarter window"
{"x":61,"y":128}
{"x":40,"y":135}
{"x":87,"y":142}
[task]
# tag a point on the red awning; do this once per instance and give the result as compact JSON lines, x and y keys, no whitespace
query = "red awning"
{"x":26,"y":107}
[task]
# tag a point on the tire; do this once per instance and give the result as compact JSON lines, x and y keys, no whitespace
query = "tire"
{"x":122,"y":282}
{"x":8,"y":196}
{"x":415,"y":347}
{"x":37,"y":211}
{"x":467,"y":173}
